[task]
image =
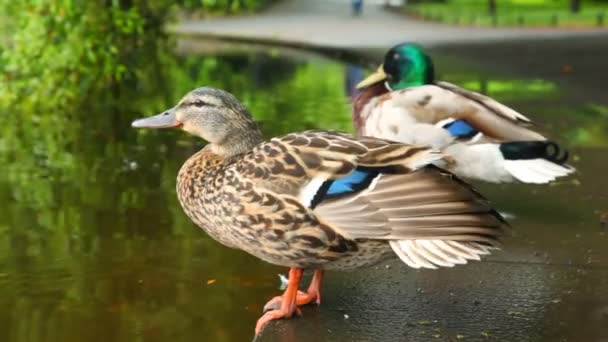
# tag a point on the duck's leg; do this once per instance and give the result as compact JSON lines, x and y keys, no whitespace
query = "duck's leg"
{"x":288,"y":304}
{"x":313,"y":294}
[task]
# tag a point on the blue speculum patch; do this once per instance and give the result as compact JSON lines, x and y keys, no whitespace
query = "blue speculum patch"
{"x":460,"y":129}
{"x":354,"y":182}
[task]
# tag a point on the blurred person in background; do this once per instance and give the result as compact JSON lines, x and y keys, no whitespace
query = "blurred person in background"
{"x":357,"y":7}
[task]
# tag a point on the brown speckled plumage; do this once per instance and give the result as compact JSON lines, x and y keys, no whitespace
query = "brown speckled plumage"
{"x":250,"y":201}
{"x":267,"y":198}
{"x":321,"y":199}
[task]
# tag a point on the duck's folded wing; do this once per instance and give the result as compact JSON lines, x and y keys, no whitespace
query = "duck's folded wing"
{"x":489,"y":103}
{"x":442,"y":103}
{"x":365,"y":188}
{"x":486,"y":139}
{"x":331,"y":155}
{"x":304,"y":165}
{"x":429,"y":217}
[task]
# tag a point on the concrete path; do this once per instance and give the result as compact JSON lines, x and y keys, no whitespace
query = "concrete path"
{"x":329,"y":24}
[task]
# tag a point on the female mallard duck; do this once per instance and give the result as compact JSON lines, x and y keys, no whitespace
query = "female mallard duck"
{"x":485,"y":139}
{"x":321,"y":200}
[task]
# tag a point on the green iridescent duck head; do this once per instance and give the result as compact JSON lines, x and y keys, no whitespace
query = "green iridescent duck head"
{"x":212,"y":114}
{"x":405,"y":65}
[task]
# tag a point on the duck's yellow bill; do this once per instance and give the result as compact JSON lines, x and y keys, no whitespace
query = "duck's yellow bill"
{"x":374,"y":78}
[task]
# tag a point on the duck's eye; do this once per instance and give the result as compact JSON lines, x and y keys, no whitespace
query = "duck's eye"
{"x":199,"y":103}
{"x":396,"y":56}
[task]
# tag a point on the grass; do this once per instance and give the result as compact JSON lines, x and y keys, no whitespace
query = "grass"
{"x":5,"y":27}
{"x":539,"y":13}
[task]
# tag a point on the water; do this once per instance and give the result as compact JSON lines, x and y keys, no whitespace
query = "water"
{"x":94,"y":246}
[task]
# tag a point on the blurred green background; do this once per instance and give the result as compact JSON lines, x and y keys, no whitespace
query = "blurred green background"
{"x":542,"y":13}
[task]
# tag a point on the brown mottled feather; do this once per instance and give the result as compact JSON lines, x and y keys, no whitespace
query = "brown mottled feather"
{"x":273,"y":200}
{"x":252,"y":201}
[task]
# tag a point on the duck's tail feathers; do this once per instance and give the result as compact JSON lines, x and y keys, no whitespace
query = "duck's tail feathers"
{"x":535,"y":162}
{"x":429,"y":217}
{"x":434,"y":253}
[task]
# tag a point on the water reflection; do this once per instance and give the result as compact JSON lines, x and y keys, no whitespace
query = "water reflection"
{"x":94,"y":246}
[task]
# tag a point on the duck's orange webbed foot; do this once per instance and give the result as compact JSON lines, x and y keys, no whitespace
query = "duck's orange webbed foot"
{"x":313,"y":294}
{"x":302,"y":298}
{"x":288,"y":302}
{"x":274,"y":315}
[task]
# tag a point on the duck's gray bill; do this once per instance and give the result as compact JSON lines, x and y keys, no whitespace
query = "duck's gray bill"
{"x":165,"y":119}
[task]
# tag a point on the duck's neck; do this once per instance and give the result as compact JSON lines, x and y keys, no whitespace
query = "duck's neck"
{"x":361,"y":100}
{"x":242,"y":140}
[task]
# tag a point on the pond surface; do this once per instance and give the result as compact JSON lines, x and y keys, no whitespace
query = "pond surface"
{"x":94,"y":245}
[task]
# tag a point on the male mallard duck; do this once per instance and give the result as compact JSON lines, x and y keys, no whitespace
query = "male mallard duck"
{"x":321,"y":200}
{"x":486,"y":140}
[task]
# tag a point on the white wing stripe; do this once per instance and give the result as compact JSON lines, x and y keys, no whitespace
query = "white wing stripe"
{"x":309,"y":191}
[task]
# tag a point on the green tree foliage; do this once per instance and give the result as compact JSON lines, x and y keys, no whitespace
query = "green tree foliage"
{"x":60,"y":58}
{"x":63,"y":65}
{"x":574,"y":13}
{"x":224,"y":6}
{"x":60,"y":49}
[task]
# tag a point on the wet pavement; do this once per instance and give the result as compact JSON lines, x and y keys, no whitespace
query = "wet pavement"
{"x":550,"y":281}
{"x":486,"y":301}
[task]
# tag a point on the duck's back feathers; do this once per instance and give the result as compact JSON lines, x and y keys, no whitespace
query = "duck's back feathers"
{"x":487,"y":102}
{"x":298,"y":159}
{"x":475,"y":130}
{"x":370,"y":189}
{"x":434,"y":103}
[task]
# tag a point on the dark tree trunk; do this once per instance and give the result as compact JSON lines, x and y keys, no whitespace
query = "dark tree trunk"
{"x":575,"y":6}
{"x":228,"y":8}
{"x":492,"y":7}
